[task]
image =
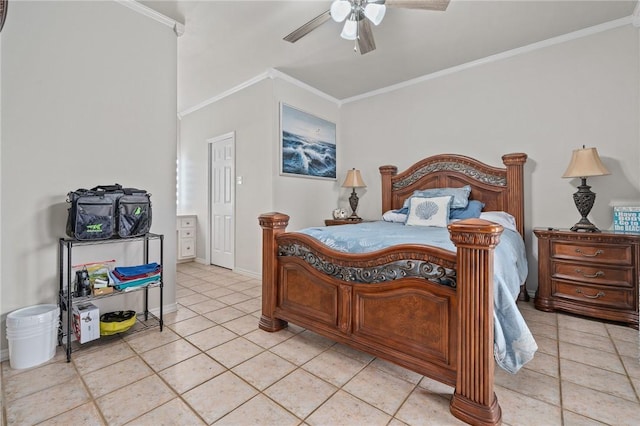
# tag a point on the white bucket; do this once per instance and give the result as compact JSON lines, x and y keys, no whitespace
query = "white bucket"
{"x":32,"y":333}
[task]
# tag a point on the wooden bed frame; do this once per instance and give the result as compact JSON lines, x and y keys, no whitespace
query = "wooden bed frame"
{"x":392,"y":303}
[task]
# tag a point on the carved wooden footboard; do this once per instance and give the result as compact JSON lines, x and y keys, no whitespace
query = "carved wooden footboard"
{"x":414,"y":310}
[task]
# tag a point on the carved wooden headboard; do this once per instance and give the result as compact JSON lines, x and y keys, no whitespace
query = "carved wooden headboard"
{"x":500,"y":189}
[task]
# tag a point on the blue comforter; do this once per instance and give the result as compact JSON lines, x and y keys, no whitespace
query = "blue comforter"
{"x":513,"y":342}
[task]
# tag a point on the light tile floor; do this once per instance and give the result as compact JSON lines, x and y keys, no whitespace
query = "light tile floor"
{"x":212,"y":365}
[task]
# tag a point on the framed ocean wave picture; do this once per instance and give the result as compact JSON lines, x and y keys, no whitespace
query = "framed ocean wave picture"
{"x":307,"y":145}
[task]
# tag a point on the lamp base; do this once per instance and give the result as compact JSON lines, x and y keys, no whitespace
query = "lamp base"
{"x":585,"y":225}
{"x":584,"y":199}
{"x":353,"y":202}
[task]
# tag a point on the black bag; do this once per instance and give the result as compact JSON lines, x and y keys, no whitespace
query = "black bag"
{"x":91,"y":215}
{"x":134,"y":213}
{"x":107,"y":210}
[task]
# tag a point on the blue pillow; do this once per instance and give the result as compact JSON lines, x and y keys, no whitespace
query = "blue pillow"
{"x":460,"y":195}
{"x":473,"y":209}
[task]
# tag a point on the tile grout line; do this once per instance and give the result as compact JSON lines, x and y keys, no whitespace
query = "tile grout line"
{"x":624,"y":367}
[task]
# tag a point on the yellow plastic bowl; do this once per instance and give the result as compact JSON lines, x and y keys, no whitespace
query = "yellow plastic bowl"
{"x":116,"y":322}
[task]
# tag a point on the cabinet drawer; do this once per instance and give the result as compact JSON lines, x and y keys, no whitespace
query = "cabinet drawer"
{"x":187,"y":233}
{"x":187,"y":222}
{"x":618,"y":254}
{"x":594,"y":274}
{"x":617,"y":298}
{"x":187,"y":248}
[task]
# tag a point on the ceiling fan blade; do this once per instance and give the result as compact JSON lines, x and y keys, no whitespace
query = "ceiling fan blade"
{"x":365,"y":37}
{"x":419,"y":4}
{"x":297,"y":34}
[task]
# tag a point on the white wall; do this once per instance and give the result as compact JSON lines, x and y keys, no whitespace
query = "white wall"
{"x":544,"y":103}
{"x":88,"y":97}
{"x":247,"y":113}
{"x":307,"y":201}
{"x":253,"y":114}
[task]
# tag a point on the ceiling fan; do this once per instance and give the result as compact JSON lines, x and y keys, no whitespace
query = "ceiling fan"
{"x":358,"y":15}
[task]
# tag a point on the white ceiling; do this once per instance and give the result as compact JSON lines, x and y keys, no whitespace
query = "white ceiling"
{"x":226,"y":43}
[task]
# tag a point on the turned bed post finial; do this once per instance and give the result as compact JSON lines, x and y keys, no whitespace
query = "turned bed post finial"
{"x":272,"y":224}
{"x":474,"y":400}
{"x":386,"y":173}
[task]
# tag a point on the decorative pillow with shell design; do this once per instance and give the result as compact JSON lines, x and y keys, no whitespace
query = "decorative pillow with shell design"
{"x":432,"y":211}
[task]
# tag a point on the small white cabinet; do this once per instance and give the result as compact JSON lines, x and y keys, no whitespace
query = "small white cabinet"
{"x":186,"y":226}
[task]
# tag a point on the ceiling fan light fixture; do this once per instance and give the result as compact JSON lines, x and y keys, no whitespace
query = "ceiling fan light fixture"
{"x":350,"y":30}
{"x":340,"y":9}
{"x":375,"y":12}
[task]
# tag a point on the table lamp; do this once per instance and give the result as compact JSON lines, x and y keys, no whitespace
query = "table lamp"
{"x":353,"y":181}
{"x":585,"y":162}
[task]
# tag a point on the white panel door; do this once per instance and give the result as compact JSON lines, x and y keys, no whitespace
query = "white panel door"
{"x":222,"y":166}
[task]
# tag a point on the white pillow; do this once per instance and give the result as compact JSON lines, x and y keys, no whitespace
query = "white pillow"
{"x":433,"y":211}
{"x":393,"y":216}
{"x":503,"y":218}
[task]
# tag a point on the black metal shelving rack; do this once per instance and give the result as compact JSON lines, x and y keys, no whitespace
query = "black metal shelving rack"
{"x":66,"y":299}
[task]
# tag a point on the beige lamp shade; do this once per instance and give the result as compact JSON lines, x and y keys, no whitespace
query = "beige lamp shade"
{"x":585,"y":162}
{"x":353,"y":180}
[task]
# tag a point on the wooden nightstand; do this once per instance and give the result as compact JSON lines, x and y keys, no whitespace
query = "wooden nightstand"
{"x":589,"y":273}
{"x":332,"y":222}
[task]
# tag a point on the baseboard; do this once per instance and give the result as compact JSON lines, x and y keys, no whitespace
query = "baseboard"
{"x":166,"y":309}
{"x":248,"y":273}
{"x":240,"y":271}
{"x":4,"y":355}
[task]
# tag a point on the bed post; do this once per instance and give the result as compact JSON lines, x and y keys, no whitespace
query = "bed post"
{"x":515,"y":179}
{"x":272,"y":224}
{"x":515,"y":198}
{"x":387,"y":172}
{"x":474,"y":400}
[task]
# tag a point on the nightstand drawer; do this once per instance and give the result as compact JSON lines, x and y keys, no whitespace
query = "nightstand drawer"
{"x":187,"y":248}
{"x":618,"y":254}
{"x":595,"y":274}
{"x":187,"y":233}
{"x":333,"y":222}
{"x":187,"y":222}
{"x":595,"y":295}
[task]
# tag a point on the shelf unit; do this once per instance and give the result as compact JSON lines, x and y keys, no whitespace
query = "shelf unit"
{"x":67,"y":300}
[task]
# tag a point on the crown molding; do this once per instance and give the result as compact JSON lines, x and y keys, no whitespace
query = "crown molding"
{"x":177,"y":27}
{"x":499,"y":56}
{"x":273,"y":73}
{"x":257,"y":79}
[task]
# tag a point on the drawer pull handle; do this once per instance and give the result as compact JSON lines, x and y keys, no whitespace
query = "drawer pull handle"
{"x":596,"y":275}
{"x":597,"y":296}
{"x":598,"y":252}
